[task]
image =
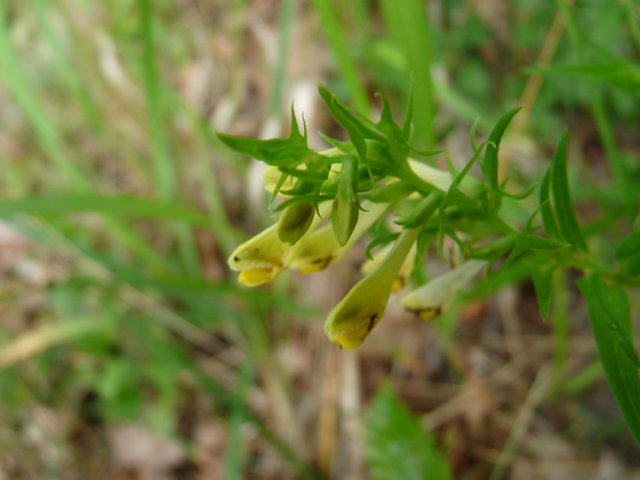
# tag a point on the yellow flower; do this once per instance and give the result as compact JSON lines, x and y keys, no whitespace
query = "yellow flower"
{"x":402,"y":278}
{"x":360,"y":310}
{"x":263,"y":257}
{"x":429,"y":300}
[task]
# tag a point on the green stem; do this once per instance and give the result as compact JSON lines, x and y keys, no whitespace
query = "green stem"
{"x":560,"y":324}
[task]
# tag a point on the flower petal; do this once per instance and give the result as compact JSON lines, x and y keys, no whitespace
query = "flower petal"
{"x":360,"y":310}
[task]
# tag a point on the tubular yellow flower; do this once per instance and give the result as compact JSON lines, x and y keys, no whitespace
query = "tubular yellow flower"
{"x":429,"y":300}
{"x":263,"y":257}
{"x":321,"y":248}
{"x":345,"y":211}
{"x":360,"y":310}
{"x":402,"y":277}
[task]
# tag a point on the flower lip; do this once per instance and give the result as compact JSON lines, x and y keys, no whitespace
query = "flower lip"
{"x":264,"y":256}
{"x":252,"y":277}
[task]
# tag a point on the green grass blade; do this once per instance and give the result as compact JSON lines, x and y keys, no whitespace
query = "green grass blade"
{"x":163,"y":165}
{"x":227,"y":234}
{"x":620,"y":74}
{"x":165,"y":175}
{"x":408,"y":25}
{"x":567,"y":223}
{"x":23,"y":91}
{"x":610,"y":321}
{"x":287,"y":8}
{"x":20,"y":86}
{"x":64,"y":68}
{"x":234,"y":458}
{"x":119,"y":206}
{"x":336,"y":35}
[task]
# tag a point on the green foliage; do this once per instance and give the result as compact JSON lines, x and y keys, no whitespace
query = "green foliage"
{"x":564,"y":212}
{"x":490,"y":163}
{"x":397,"y":446}
{"x":279,"y":152}
{"x":611,"y":323}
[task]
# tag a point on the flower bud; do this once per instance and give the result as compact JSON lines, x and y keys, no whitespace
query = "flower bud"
{"x":345,"y":209}
{"x":263,"y":257}
{"x":295,"y":221}
{"x":320,"y":248}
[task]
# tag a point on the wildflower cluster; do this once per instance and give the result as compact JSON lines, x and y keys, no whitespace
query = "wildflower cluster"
{"x":328,"y":200}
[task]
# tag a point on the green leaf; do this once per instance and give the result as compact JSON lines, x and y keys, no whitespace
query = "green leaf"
{"x":610,"y":321}
{"x":541,"y":276}
{"x":490,"y":163}
{"x":632,"y":264}
{"x":279,"y":152}
{"x":454,"y":195}
{"x":533,"y":242}
{"x":423,"y":211}
{"x":567,"y":222}
{"x":396,"y":141}
{"x":546,"y":211}
{"x":357,"y":128}
{"x":397,"y":447}
{"x":383,"y":239}
{"x":629,"y":246}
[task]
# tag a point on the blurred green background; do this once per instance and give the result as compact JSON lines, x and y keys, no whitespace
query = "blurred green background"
{"x":127,"y":350}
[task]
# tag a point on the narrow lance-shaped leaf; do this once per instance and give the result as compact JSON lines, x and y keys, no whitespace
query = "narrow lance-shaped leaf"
{"x":546,"y":211}
{"x":490,"y":163}
{"x":356,"y":128}
{"x":610,"y":320}
{"x":567,"y":222}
